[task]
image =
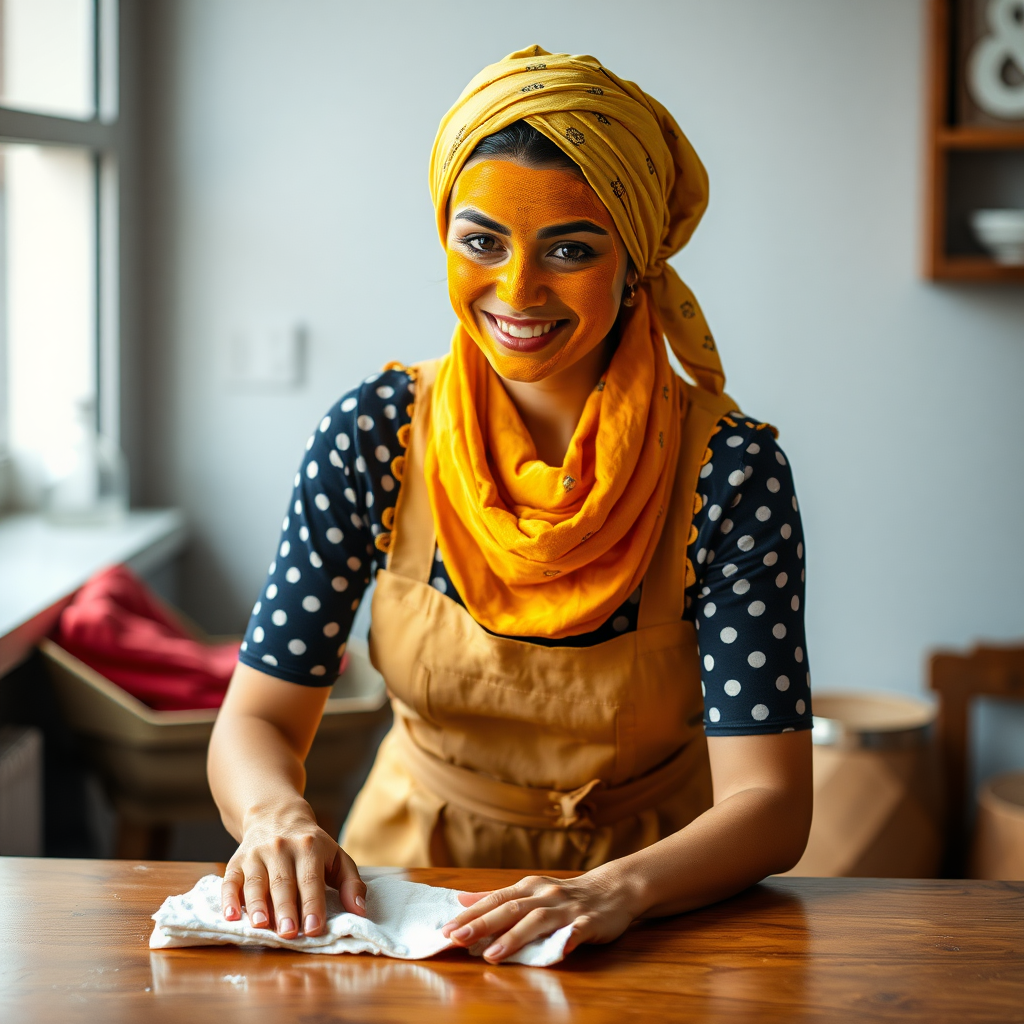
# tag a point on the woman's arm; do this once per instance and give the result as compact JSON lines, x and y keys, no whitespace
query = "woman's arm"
{"x":256,"y":770}
{"x":341,"y":500}
{"x":757,"y":826}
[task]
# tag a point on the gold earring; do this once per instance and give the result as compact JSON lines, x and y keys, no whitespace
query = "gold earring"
{"x":630,"y":297}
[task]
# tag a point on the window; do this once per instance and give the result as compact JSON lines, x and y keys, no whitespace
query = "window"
{"x":49,"y":57}
{"x":59,"y":157}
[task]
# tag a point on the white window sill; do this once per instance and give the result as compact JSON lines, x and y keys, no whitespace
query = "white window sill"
{"x":42,"y":565}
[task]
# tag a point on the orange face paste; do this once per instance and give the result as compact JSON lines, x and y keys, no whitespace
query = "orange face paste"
{"x":520,"y":275}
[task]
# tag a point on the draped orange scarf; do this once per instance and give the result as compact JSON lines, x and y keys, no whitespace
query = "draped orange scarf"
{"x":538,"y":550}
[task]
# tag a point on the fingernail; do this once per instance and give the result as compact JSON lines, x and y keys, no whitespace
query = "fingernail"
{"x":461,"y":933}
{"x":286,"y":924}
{"x":311,"y":924}
{"x":259,"y":919}
{"x":493,"y":952}
{"x":231,"y":913}
{"x":360,"y":903}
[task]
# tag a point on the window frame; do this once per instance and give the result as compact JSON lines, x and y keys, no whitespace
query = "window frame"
{"x":102,"y":135}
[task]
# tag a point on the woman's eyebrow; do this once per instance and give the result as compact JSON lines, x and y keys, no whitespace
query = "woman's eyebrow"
{"x":573,"y":227}
{"x":476,"y":217}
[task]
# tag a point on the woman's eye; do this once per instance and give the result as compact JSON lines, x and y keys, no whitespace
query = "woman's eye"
{"x":571,"y":253}
{"x":481,"y":243}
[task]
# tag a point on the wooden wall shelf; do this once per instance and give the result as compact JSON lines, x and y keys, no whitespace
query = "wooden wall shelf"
{"x":968,"y":167}
{"x":974,"y":268}
{"x":976,"y":137}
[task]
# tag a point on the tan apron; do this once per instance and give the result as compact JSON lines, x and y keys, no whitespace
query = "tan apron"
{"x":511,"y":754}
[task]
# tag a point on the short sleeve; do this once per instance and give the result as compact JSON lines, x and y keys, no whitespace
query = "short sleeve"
{"x":748,"y":599}
{"x":334,"y":534}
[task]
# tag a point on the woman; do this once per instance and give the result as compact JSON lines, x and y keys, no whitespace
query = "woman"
{"x":560,"y":514}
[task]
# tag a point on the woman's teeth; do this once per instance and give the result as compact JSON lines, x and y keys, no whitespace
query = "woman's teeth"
{"x":514,"y":331}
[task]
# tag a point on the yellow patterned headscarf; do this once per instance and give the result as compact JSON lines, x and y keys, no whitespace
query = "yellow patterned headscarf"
{"x":632,"y":153}
{"x":530,"y":555}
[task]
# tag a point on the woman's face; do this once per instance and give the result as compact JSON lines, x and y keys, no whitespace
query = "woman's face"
{"x":536,"y":268}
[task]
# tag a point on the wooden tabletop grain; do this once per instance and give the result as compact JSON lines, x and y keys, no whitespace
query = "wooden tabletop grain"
{"x":73,"y":947}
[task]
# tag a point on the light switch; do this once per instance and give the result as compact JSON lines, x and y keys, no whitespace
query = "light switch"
{"x":266,"y":357}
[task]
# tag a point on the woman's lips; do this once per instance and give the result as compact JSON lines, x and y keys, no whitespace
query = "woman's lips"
{"x":530,"y":336}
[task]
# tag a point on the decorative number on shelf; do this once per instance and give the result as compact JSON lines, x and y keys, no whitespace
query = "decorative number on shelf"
{"x":994,"y":55}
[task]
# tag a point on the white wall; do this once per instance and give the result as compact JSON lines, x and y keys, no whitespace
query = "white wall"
{"x":290,"y":143}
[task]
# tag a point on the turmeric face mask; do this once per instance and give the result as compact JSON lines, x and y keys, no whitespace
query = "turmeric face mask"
{"x":536,"y":267}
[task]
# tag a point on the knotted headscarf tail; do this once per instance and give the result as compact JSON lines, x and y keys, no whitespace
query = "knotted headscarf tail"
{"x":553,"y":551}
{"x":632,"y":153}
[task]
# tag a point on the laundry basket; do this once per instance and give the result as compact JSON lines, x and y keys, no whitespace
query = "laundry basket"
{"x":998,"y":850}
{"x":152,"y":764}
{"x":877,"y":797}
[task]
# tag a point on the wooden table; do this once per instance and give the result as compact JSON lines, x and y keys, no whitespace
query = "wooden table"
{"x":73,"y":947}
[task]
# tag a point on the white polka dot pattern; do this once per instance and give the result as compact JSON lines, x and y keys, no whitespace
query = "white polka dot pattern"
{"x":748,"y":564}
{"x":344,"y":496}
{"x":756,"y":648}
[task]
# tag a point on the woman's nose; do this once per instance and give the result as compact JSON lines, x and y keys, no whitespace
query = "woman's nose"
{"x":520,"y":285}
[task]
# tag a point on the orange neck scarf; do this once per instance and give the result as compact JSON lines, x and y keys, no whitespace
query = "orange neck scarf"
{"x":538,"y":550}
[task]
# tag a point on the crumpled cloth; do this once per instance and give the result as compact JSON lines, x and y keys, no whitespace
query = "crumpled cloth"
{"x":404,"y":921}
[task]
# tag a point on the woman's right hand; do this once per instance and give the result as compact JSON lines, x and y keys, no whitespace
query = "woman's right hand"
{"x":279,"y":871}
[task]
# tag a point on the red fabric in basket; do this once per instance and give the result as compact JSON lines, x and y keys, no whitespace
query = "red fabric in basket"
{"x":116,"y":626}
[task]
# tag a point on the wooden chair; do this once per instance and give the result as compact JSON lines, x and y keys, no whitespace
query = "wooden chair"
{"x":957,"y":679}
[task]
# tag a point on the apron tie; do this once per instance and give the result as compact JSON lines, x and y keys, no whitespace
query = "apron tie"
{"x":565,"y":807}
{"x":590,"y":806}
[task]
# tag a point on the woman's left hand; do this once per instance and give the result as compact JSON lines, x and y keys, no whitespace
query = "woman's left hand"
{"x":598,"y":906}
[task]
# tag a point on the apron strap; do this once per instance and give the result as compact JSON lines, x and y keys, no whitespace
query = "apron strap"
{"x":413,"y":540}
{"x":664,"y":586}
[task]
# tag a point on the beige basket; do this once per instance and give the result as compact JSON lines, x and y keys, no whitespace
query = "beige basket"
{"x":153,"y":763}
{"x":998,"y":850}
{"x":876,"y":788}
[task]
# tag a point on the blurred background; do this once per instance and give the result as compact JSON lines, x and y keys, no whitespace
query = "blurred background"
{"x":247,"y":232}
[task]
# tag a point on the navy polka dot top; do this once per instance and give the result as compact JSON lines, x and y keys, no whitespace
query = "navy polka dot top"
{"x":748,"y":556}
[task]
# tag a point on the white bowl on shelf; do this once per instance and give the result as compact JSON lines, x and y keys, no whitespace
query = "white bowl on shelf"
{"x":1001,"y":232}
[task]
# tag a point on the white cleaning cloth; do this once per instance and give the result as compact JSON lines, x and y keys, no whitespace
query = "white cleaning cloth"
{"x":403,"y":920}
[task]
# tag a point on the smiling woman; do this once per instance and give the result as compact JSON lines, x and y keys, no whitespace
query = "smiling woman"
{"x":568,"y":274}
{"x":560,"y":514}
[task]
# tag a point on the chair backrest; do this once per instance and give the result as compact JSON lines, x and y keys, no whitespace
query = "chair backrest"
{"x":986,"y":671}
